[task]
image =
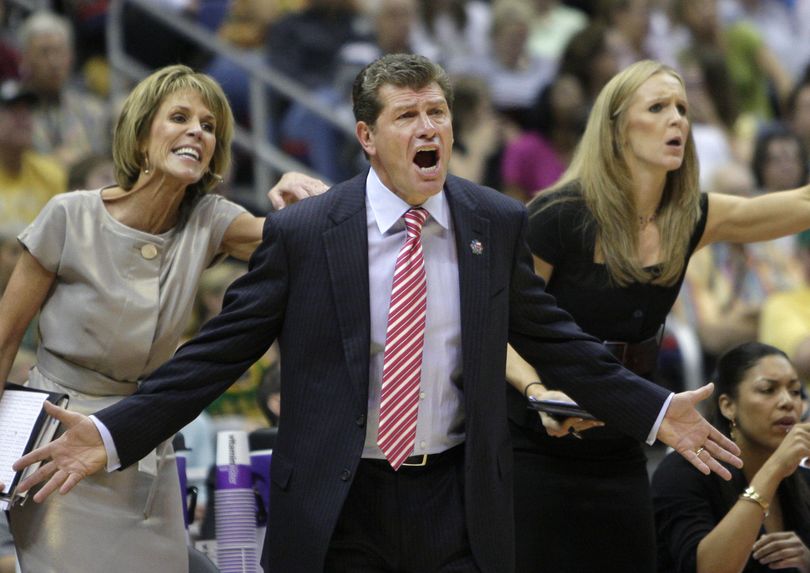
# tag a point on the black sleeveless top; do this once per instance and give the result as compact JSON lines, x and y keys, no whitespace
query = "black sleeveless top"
{"x":564,"y":235}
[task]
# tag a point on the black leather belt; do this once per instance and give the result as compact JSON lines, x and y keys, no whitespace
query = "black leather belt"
{"x":639,"y":357}
{"x":423,"y":461}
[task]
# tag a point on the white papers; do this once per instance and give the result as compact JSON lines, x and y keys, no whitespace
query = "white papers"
{"x":19,"y":411}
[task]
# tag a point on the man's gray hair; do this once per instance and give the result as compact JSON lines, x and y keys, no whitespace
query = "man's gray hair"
{"x":399,"y":70}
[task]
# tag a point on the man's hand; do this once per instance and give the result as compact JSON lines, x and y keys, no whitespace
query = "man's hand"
{"x":294,"y":186}
{"x":694,"y":438}
{"x":76,"y":454}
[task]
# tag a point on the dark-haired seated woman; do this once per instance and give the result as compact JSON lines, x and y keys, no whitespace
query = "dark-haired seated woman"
{"x":760,"y":520}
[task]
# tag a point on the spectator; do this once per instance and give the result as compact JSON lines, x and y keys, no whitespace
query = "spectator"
{"x":785,"y":318}
{"x":245,"y":27}
{"x":797,"y":109}
{"x":784,"y":27}
{"x":514,"y":75}
{"x":752,"y":67}
{"x":478,"y":132}
{"x":453,"y":33}
{"x":628,"y":25}
{"x":305,"y":44}
{"x":27,"y":178}
{"x":780,"y":160}
{"x":552,"y":26}
{"x":590,"y":58}
{"x":68,"y":122}
{"x":760,"y":520}
{"x":713,"y":112}
{"x":538,"y":157}
{"x":9,"y":57}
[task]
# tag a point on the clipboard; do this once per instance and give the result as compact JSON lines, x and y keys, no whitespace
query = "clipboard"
{"x":24,"y":426}
{"x":560,"y":409}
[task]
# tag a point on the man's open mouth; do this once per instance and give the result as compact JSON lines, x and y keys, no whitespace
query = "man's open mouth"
{"x":427,"y":158}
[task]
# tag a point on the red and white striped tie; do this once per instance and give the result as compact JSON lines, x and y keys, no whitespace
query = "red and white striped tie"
{"x":404,"y":340}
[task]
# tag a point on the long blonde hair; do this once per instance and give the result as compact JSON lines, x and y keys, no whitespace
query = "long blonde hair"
{"x":600,"y":169}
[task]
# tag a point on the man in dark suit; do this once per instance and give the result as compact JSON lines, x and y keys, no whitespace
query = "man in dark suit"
{"x":342,"y":497}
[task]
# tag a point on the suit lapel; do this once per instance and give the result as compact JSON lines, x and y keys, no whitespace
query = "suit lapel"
{"x":346,"y":245}
{"x":472,"y":247}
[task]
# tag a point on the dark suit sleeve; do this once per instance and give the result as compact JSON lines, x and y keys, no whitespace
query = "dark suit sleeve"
{"x":549,"y":339}
{"x":203,"y":368}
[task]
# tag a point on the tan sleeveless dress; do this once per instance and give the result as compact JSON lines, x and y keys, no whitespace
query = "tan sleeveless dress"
{"x":119,"y":305}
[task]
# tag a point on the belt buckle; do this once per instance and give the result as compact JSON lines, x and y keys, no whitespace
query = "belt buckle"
{"x":420,"y":464}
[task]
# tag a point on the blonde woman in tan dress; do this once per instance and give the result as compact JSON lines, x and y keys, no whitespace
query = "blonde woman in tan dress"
{"x":113,"y":273}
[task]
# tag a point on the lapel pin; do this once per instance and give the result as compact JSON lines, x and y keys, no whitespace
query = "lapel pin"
{"x":476,"y":247}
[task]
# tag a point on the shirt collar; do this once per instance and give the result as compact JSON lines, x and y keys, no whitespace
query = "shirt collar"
{"x":388,"y":208}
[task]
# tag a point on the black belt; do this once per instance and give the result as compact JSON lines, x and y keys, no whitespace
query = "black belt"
{"x":639,"y":357}
{"x":422,"y":461}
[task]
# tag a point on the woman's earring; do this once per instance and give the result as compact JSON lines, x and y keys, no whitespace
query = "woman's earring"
{"x":146,"y":170}
{"x":733,"y":430}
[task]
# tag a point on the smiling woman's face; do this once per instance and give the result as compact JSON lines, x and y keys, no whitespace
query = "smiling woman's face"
{"x":182,"y":137}
{"x":767,"y":405}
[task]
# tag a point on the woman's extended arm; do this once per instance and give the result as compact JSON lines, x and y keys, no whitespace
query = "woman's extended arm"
{"x":26,"y":291}
{"x":751,"y":219}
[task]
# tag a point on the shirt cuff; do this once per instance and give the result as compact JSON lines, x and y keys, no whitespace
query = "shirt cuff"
{"x":654,"y":432}
{"x":113,"y":461}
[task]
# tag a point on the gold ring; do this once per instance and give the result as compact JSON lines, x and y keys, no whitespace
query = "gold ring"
{"x":700,"y":449}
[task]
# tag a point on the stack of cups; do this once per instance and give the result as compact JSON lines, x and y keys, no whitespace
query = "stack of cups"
{"x":235,"y":505}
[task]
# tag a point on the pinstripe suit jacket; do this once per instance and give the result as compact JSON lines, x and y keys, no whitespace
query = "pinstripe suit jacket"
{"x":308,"y":287}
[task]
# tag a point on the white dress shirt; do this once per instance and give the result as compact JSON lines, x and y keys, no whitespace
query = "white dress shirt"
{"x":440,"y":419}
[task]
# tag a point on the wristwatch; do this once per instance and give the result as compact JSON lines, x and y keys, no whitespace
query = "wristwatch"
{"x":751,"y":494}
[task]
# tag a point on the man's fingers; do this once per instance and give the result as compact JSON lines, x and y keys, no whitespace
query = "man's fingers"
{"x":725,"y":443}
{"x":71,"y":482}
{"x":31,"y":457}
{"x":66,"y":417}
{"x":50,"y":486}
{"x":41,"y":474}
{"x":695,"y":460}
{"x":703,"y":459}
{"x":719,"y":452}
{"x":701,"y":393}
{"x":715,"y":466}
